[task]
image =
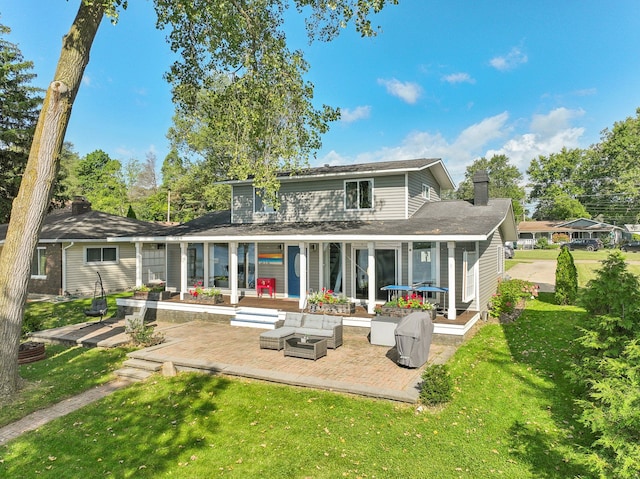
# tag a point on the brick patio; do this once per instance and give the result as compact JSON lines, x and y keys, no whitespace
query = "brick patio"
{"x":357,"y":367}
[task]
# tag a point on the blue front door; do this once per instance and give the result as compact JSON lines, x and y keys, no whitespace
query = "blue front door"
{"x":293,"y":270}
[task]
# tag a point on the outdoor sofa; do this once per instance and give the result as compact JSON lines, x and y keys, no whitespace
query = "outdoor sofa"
{"x":318,"y":325}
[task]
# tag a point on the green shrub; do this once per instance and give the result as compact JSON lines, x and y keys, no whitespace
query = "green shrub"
{"x":509,"y":294}
{"x":607,"y":368}
{"x":31,"y":323}
{"x":542,"y":243}
{"x":566,"y":278}
{"x":437,"y":386}
{"x":614,"y":289}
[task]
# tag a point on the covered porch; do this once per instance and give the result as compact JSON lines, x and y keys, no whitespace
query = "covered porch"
{"x":280,"y":268}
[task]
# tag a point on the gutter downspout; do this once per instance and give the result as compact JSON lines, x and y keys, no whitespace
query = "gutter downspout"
{"x":64,"y":267}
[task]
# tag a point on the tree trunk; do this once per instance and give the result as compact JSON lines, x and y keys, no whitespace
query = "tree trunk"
{"x":31,"y":204}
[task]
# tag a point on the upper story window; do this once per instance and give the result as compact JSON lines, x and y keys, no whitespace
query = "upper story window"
{"x":426,"y":192}
{"x":39,"y":263}
{"x":260,"y":206}
{"x":358,"y":195}
{"x":101,"y":254}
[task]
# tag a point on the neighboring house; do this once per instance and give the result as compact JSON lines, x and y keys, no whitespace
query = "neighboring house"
{"x":76,"y":242}
{"x":630,"y":230}
{"x":529,"y":232}
{"x":352,"y":229}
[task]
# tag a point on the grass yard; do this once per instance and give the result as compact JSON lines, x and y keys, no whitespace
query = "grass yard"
{"x":55,"y":314}
{"x":511,"y":416}
{"x":64,"y":373}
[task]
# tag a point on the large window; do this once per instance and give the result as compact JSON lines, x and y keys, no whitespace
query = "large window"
{"x":469,"y":278}
{"x":333,"y":266}
{"x":39,"y":263}
{"x":358,"y":195}
{"x":259,"y":205}
{"x":423,"y":262}
{"x":246,"y":265}
{"x":102,"y":254}
{"x":219,"y":265}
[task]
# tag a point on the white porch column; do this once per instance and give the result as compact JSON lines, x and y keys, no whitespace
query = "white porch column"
{"x":303,"y":276}
{"x":371,"y":273}
{"x":183,"y":268}
{"x":233,"y":273}
{"x":138,"y":263}
{"x":451,"y":294}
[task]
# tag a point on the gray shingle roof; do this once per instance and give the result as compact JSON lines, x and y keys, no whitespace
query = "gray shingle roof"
{"x":61,"y":225}
{"x":441,"y":218}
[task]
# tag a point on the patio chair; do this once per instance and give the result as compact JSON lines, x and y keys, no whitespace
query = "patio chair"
{"x":99,"y":305}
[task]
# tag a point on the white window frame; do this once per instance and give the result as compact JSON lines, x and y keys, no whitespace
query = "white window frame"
{"x":40,"y":251}
{"x":265,"y":208}
{"x":469,"y":264}
{"x":102,"y":260}
{"x":426,"y":192}
{"x":358,"y":199}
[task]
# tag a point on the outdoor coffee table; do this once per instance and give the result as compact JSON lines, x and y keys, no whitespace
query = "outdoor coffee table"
{"x":299,"y":346}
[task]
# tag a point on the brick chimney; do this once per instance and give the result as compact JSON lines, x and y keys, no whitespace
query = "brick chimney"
{"x":80,"y":205}
{"x":481,"y":188}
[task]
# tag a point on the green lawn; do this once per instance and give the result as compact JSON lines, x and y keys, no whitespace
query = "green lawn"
{"x":512,"y":416}
{"x":54,"y":314}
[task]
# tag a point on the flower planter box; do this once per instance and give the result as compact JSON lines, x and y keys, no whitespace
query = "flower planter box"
{"x":205,"y":299}
{"x":152,"y":295}
{"x":336,"y":308}
{"x":396,"y":312}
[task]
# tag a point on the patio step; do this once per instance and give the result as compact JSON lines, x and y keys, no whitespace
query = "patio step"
{"x":264,"y":318}
{"x":133,"y":374}
{"x":143,"y":364}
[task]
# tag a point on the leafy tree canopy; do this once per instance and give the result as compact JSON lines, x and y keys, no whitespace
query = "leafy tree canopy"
{"x":504,"y":181}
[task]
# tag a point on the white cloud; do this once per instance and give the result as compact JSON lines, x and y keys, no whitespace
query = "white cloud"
{"x":407,"y":91}
{"x":458,"y":78}
{"x":348,"y":115}
{"x":510,"y":61}
{"x":86,"y":80}
{"x":495,"y":135}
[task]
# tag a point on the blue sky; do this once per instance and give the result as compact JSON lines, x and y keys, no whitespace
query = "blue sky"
{"x":451,"y":79}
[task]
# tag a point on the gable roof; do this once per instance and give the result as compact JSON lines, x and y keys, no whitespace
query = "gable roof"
{"x":61,"y":225}
{"x":454,"y":220}
{"x":366,"y":169}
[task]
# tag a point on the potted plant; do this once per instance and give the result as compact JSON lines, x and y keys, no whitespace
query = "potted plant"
{"x":327,"y":301}
{"x":151,"y":293}
{"x":404,"y":305}
{"x":205,"y":295}
{"x":221,"y":281}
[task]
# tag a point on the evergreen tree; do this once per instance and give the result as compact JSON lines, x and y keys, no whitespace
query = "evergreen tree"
{"x":19,"y":107}
{"x":566,"y":278}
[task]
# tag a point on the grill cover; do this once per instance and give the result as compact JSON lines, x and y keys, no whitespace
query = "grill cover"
{"x":413,"y":339}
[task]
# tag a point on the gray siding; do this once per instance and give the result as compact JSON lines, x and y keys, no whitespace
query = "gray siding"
{"x":322,"y":200}
{"x":415,"y":181}
{"x":173,"y":266}
{"x":489,"y":251}
{"x":314,"y":267}
{"x":404,"y":261}
{"x":81,"y":277}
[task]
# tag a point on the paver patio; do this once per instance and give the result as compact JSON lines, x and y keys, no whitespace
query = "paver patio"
{"x":357,"y":367}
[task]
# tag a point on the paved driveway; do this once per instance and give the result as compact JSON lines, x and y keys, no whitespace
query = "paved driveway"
{"x":541,"y":272}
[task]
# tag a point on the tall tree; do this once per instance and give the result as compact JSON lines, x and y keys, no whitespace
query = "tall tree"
{"x":555,"y":183}
{"x":101,"y":181}
{"x":19,"y":105}
{"x":198,"y":29}
{"x":504,"y":181}
{"x":611,"y":174}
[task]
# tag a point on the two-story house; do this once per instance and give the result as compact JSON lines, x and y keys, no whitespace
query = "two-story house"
{"x":353,"y":229}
